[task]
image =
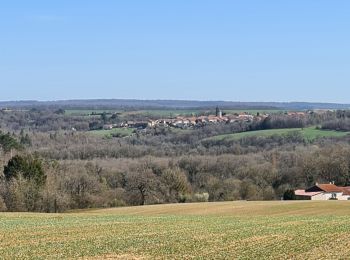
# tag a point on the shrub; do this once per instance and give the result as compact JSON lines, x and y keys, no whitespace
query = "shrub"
{"x":201,"y":197}
{"x":289,"y":195}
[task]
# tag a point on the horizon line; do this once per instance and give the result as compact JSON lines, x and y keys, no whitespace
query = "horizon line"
{"x":171,"y":100}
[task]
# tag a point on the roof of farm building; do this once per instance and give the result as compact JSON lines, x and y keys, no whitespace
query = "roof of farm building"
{"x":346,"y":190}
{"x":304,"y":193}
{"x":325,"y":187}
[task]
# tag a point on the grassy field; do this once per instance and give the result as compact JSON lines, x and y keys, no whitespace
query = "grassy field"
{"x":122,"y":132}
{"x":167,"y":112}
{"x":228,"y":230}
{"x":254,"y":111}
{"x":87,"y":112}
{"x":182,"y":112}
{"x":310,"y":134}
{"x":151,"y":112}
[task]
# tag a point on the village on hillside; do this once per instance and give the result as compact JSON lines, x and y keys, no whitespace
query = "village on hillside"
{"x":198,"y":121}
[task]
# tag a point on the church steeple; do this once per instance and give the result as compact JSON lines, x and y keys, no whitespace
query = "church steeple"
{"x":218,"y":112}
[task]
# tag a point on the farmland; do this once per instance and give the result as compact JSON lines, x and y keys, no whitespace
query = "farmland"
{"x":255,"y":111}
{"x":88,"y":112}
{"x":167,"y":113}
{"x":150,"y":112}
{"x":309,"y":134}
{"x":224,"y":230}
{"x":188,"y":112}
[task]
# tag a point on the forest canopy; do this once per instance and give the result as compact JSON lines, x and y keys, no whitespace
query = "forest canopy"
{"x":52,"y":162}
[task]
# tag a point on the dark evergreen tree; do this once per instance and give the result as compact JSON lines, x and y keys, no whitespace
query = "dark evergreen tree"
{"x":29,"y":167}
{"x":289,"y":195}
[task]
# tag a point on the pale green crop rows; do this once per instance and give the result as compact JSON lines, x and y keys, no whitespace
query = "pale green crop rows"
{"x":250,"y":232}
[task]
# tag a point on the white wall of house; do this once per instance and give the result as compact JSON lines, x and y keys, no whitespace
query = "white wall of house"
{"x":328,"y":195}
{"x":344,"y":197}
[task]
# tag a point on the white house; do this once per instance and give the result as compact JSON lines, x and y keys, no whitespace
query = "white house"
{"x":324,"y":192}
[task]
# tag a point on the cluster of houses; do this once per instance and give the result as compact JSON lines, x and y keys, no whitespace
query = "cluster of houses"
{"x":5,"y":109}
{"x":128,"y":124}
{"x":323,"y":192}
{"x":197,"y":121}
{"x":183,"y":122}
{"x":298,"y":114}
{"x":190,"y":121}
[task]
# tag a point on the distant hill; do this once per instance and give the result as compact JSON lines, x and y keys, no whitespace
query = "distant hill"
{"x":166,"y":104}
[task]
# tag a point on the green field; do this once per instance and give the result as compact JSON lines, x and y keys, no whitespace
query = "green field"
{"x":87,"y":112}
{"x":167,"y":113}
{"x":122,"y":132}
{"x":227,"y":230}
{"x":182,"y":112}
{"x":151,"y":112}
{"x":254,"y":111}
{"x":310,"y":134}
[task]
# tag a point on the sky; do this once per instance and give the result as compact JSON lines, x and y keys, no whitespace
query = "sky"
{"x":237,"y":50}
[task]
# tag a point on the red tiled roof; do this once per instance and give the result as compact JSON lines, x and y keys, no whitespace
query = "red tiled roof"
{"x":346,"y":190}
{"x":329,"y":187}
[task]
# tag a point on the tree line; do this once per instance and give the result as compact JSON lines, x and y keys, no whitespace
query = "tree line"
{"x":58,"y":170}
{"x":32,"y":183}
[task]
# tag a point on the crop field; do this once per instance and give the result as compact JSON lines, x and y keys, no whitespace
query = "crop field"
{"x":255,"y":111}
{"x":310,"y":133}
{"x":167,"y":113}
{"x":227,"y":230}
{"x":88,"y":112}
{"x":184,"y":112}
{"x":150,"y":113}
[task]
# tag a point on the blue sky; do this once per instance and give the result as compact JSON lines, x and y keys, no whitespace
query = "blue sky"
{"x":293,"y":50}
